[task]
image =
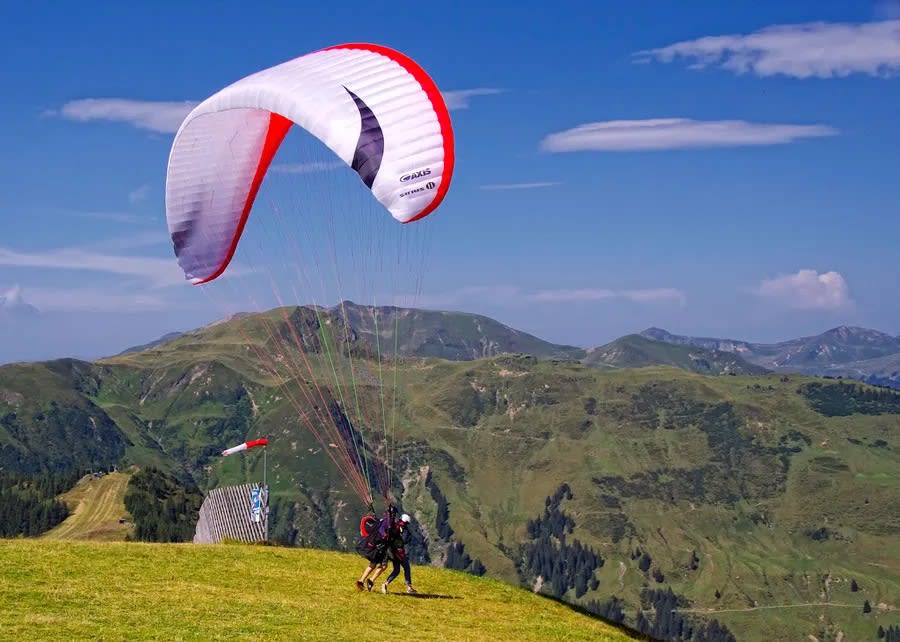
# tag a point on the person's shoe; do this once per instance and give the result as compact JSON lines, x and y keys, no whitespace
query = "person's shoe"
{"x":360,"y":586}
{"x":410,"y":589}
{"x":384,"y":588}
{"x":370,"y":584}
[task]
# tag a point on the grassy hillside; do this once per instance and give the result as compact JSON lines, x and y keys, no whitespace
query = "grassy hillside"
{"x":635,"y":351}
{"x":742,"y":494}
{"x":81,"y":591}
{"x":152,"y":344}
{"x":882,"y":371}
{"x":408,"y":332}
{"x":776,"y":500}
{"x":443,"y":334}
{"x":48,"y":421}
{"x":97,"y":505}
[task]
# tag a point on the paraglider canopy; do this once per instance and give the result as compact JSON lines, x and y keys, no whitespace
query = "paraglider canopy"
{"x":375,"y":108}
{"x":383,"y":127}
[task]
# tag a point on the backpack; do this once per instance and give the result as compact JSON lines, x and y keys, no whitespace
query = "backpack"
{"x":367,"y":544}
{"x":367,"y":524}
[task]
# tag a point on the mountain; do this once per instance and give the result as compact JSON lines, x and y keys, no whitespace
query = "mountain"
{"x":12,"y":305}
{"x":152,"y":344}
{"x":818,"y":354}
{"x":725,"y":345}
{"x":49,"y":421}
{"x":635,"y":351}
{"x":655,"y":496}
{"x":457,"y":336}
{"x":387,"y":330}
{"x":409,"y":332}
{"x":880,"y":371}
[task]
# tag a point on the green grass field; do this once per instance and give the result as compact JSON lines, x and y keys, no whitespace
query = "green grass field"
{"x":117,"y":591}
{"x":785,"y":496}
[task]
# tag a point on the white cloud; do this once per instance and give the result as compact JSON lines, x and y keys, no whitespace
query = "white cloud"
{"x":139,"y":194}
{"x":513,"y":294}
{"x":807,"y":290}
{"x":520,"y":185}
{"x":652,"y":295}
{"x":96,"y":300}
{"x":455,"y":297}
{"x":586,"y":294}
{"x":676,"y":133}
{"x":159,"y":272}
{"x":460,"y":98}
{"x":12,"y":303}
{"x":11,"y":297}
{"x":165,"y":116}
{"x":158,"y":116}
{"x":815,"y":49}
{"x":146,"y":271}
{"x":306,"y":168}
{"x":130,"y":242}
{"x":141,"y":278}
{"x":116,"y":217}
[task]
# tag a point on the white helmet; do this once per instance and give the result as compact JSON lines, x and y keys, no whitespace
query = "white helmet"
{"x":404,"y":518}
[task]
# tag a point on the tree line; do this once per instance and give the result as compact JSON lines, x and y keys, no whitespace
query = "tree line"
{"x":666,"y":623}
{"x":164,"y":509}
{"x":457,"y":558}
{"x":28,"y":503}
{"x":842,"y":399}
{"x":563,"y":565}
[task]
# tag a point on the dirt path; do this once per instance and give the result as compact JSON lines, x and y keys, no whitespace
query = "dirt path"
{"x":97,"y":505}
{"x":774,"y":606}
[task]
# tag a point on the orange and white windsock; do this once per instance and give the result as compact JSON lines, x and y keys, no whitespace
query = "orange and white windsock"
{"x":253,"y":443}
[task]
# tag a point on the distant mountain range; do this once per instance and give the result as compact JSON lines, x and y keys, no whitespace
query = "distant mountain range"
{"x":602,"y":477}
{"x":13,"y":305}
{"x":845,"y":351}
{"x":635,"y":351}
{"x":152,"y":344}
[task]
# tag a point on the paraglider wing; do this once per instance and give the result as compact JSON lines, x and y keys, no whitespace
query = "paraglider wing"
{"x":375,"y":108}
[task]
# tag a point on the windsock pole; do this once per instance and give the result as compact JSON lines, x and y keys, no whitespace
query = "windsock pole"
{"x":247,"y":445}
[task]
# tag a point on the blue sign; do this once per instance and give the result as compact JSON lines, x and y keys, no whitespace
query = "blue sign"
{"x":256,"y":498}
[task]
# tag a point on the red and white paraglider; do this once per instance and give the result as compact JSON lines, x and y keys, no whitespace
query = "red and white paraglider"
{"x":379,"y":114}
{"x":376,"y":109}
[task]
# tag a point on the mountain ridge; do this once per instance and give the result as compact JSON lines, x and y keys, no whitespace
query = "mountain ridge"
{"x":840,"y":351}
{"x":635,"y":350}
{"x":857,"y":352}
{"x":648,"y":478}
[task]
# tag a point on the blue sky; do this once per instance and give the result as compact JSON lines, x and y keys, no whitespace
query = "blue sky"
{"x":727,"y":170}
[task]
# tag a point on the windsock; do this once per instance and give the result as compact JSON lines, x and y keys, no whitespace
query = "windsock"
{"x":246,"y":445}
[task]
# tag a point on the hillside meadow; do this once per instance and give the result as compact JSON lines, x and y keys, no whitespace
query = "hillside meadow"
{"x":759,"y":500}
{"x":177,"y":592}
